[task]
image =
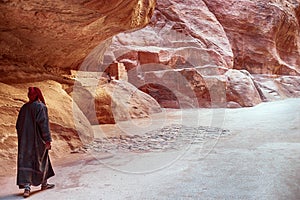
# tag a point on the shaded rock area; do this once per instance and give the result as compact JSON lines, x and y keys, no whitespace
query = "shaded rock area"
{"x":188,"y":86}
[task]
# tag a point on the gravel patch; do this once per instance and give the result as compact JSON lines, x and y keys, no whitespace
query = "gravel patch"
{"x":174,"y":137}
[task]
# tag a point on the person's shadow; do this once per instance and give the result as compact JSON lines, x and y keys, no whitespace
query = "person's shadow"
{"x":19,"y":195}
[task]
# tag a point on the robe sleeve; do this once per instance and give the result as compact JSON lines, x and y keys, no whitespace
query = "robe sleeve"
{"x":20,"y":120}
{"x":43,"y":122}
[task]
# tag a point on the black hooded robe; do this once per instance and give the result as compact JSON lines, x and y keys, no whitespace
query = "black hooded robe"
{"x":33,"y":164}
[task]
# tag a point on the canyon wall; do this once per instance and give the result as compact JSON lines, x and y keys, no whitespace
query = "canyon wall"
{"x":44,"y":39}
{"x":41,"y":42}
{"x":264,"y":35}
{"x":164,"y":53}
{"x":235,"y":46}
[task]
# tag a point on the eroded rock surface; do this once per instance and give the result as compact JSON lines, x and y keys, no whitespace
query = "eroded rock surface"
{"x":109,"y":103}
{"x":264,"y":35}
{"x":67,"y":133}
{"x":241,"y":88}
{"x":194,"y":53}
{"x":44,"y":38}
{"x":212,"y":37}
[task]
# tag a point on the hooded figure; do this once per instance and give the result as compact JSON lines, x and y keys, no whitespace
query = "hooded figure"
{"x":34,"y":141}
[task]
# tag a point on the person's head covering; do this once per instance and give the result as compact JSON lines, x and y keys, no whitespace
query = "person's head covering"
{"x":34,"y":94}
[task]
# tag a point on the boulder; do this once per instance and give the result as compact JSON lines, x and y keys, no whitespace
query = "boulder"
{"x":241,"y":88}
{"x":109,"y":103}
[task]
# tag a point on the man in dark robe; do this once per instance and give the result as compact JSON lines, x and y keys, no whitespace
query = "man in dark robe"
{"x":34,"y":141}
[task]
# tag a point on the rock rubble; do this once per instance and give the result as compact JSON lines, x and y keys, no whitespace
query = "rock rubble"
{"x":172,"y":137}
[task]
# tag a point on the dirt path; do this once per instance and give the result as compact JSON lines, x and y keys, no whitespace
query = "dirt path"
{"x":259,"y":159}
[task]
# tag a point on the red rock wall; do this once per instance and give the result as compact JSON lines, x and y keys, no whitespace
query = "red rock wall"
{"x":192,"y":53}
{"x":264,"y":35}
{"x":41,"y":41}
{"x":256,"y":37}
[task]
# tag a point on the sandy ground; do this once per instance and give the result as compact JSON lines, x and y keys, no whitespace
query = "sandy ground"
{"x":259,"y":159}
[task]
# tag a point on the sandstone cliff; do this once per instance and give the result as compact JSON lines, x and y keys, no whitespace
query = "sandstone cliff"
{"x":44,"y":39}
{"x":264,"y":35}
{"x":234,"y":50}
{"x":41,"y":41}
{"x":181,"y":54}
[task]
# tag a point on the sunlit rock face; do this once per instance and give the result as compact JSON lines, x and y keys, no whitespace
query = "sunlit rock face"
{"x":44,"y":39}
{"x":111,"y":102}
{"x":67,"y":134}
{"x":264,"y":35}
{"x":185,"y":54}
